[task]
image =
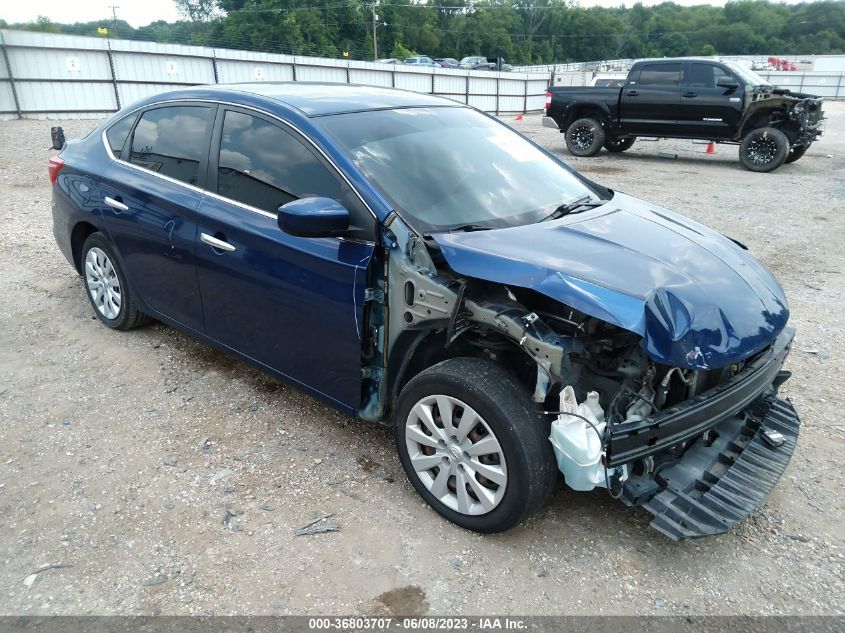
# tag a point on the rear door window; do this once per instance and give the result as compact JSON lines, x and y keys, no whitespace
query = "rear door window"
{"x":172,"y":141}
{"x":660,"y":75}
{"x":117,"y":134}
{"x":264,"y":166}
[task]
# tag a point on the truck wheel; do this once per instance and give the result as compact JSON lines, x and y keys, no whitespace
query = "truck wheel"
{"x":797,"y":152}
{"x":584,"y":137}
{"x":764,"y":149}
{"x":613,"y":144}
{"x":474,"y":445}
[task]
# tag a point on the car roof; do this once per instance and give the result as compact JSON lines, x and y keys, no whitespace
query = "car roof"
{"x":319,"y":98}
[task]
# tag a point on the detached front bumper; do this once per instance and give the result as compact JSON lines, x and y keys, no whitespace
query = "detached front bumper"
{"x":725,"y":454}
{"x":711,"y":488}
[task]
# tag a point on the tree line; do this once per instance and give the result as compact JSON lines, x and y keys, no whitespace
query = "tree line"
{"x":521,"y":31}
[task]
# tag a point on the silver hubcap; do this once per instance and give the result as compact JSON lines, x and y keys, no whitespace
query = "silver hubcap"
{"x":103,"y":283}
{"x":456,"y":455}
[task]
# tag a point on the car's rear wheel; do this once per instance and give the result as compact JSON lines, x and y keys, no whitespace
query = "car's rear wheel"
{"x":106,"y":285}
{"x":474,"y":445}
{"x":614,"y":144}
{"x":585,"y":137}
{"x":764,"y":149}
{"x":797,"y":152}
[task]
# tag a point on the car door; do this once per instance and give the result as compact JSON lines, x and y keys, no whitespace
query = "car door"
{"x":650,"y":100}
{"x":708,"y":109}
{"x":151,"y":196}
{"x":292,"y":304}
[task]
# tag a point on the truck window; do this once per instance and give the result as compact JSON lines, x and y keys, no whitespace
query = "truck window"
{"x":706,"y":75}
{"x":668,"y":74}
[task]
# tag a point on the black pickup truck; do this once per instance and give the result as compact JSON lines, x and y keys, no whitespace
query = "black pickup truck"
{"x":706,"y":99}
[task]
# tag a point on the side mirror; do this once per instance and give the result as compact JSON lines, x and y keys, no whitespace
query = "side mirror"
{"x":727,"y":82}
{"x":313,"y":217}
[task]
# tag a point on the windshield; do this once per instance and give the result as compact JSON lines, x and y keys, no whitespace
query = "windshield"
{"x":442,"y":168}
{"x":748,"y":76}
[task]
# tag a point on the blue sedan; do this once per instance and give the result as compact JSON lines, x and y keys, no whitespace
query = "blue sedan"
{"x":414,"y":261}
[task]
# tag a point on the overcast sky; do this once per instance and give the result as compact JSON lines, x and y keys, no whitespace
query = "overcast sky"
{"x":142,"y":12}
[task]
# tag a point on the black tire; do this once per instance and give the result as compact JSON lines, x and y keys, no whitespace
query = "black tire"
{"x":519,"y":427}
{"x":128,"y":316}
{"x":585,"y":137}
{"x":616,"y":145}
{"x":797,"y":152}
{"x":764,"y":149}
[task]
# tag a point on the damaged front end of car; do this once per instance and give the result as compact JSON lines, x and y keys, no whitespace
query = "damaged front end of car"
{"x":800,"y":116}
{"x":653,"y":391}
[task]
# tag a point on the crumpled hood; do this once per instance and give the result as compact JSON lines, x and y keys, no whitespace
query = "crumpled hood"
{"x":697,"y":299}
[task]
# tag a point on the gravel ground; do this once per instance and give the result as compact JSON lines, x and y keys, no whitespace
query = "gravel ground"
{"x":166,"y":478}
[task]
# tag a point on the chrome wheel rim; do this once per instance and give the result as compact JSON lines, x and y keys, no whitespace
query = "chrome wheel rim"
{"x":456,"y":455}
{"x":582,"y":137}
{"x":761,"y":150}
{"x":103,"y":283}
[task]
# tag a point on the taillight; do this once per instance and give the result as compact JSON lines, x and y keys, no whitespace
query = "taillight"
{"x":54,"y":166}
{"x":548,"y":100}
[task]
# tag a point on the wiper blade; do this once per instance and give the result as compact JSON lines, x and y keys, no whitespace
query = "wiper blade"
{"x":461,"y":228}
{"x":587,"y":202}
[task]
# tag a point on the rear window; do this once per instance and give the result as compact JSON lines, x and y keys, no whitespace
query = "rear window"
{"x":119,"y":132}
{"x":660,"y":75}
{"x":172,"y":141}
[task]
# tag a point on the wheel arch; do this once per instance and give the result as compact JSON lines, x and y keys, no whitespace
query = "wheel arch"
{"x":81,"y":231}
{"x":589,"y":109}
{"x":415,"y":351}
{"x":767,"y":117}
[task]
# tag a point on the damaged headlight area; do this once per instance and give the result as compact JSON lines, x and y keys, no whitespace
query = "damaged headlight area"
{"x":700,"y":449}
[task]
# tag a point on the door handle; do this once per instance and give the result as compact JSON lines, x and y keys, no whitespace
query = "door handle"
{"x":689,"y":95}
{"x":115,"y":204}
{"x":632,"y":93}
{"x":212,"y":241}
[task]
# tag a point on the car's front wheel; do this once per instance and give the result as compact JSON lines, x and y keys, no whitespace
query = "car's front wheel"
{"x":474,"y":445}
{"x":106,"y":285}
{"x":764,"y":149}
{"x":585,"y":137}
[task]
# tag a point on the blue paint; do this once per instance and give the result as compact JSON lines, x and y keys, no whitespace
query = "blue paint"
{"x":697,"y":299}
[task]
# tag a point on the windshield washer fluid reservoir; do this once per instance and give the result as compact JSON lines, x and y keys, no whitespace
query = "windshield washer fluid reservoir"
{"x":578,"y":446}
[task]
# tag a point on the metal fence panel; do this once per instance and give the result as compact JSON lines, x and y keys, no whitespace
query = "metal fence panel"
{"x":320,"y":73}
{"x":57,"y":63}
{"x":483,"y":102}
{"x":163,"y":69}
{"x":371,"y":77}
{"x":451,"y":85}
{"x":7,"y":99}
{"x":511,"y":104}
{"x":130,"y":93}
{"x":414,"y":79}
{"x":482,"y":86}
{"x":512,"y":87}
{"x":231,"y":71}
{"x":65,"y":96}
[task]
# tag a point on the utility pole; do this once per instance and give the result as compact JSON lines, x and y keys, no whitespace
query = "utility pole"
{"x":114,"y":9}
{"x":375,"y":36}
